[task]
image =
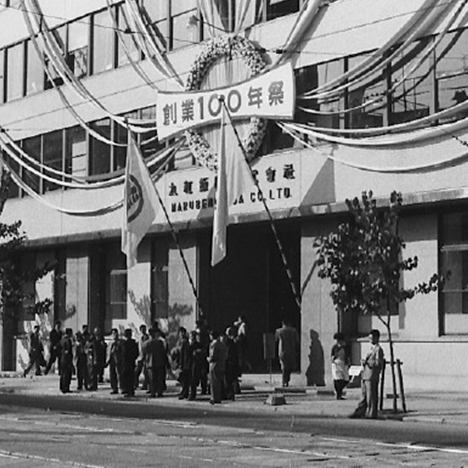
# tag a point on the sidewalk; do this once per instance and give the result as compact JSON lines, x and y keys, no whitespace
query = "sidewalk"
{"x":424,"y":406}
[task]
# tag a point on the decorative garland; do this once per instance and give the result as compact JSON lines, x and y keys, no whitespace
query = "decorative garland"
{"x":214,"y":49}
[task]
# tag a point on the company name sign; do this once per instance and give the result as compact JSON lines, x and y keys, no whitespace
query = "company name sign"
{"x":270,"y":95}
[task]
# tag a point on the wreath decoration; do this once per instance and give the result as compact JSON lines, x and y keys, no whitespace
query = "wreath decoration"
{"x":214,"y":49}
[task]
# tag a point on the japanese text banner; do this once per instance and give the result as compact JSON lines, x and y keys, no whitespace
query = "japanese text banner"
{"x":271,"y":95}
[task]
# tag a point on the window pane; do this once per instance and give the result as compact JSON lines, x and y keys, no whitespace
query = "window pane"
{"x":116,"y":297}
{"x":413,"y":98}
{"x":183,"y":34}
{"x":157,"y":10}
{"x":13,"y":191}
{"x":454,"y":259}
{"x":32,"y":146}
{"x":374,"y":114}
{"x":103,"y":42}
{"x":78,"y":47}
{"x":53,"y":155}
{"x":34,"y":70}
{"x":129,"y":41}
{"x":316,"y":76}
{"x":76,"y":154}
{"x":452,"y":70}
{"x":2,"y":76}
{"x":277,"y":8}
{"x":60,"y":35}
{"x":99,"y":155}
{"x":15,"y":71}
{"x":120,"y":152}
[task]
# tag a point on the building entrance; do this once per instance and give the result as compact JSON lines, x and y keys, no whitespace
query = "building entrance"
{"x":251,"y":281}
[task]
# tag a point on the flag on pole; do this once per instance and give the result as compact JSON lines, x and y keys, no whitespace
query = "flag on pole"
{"x":234,"y":178}
{"x":140,"y":202}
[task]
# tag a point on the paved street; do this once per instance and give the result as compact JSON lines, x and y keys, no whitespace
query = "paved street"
{"x":42,"y":428}
{"x":33,"y":438}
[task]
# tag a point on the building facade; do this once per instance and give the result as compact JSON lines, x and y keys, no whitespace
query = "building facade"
{"x":380,"y":93}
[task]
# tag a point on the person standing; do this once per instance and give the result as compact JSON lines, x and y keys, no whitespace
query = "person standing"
{"x":80,"y":362}
{"x":141,"y":361}
{"x":243,"y":342}
{"x":155,"y":356}
{"x":217,"y":366}
{"x":55,"y":339}
{"x":36,"y":352}
{"x":66,"y":360}
{"x":181,"y":357}
{"x":371,"y":367}
{"x":339,"y":365}
{"x":232,"y":363}
{"x":197,"y":363}
{"x":129,"y":354}
{"x":204,"y":340}
{"x":114,"y":361}
{"x":96,"y":358}
{"x":287,"y":340}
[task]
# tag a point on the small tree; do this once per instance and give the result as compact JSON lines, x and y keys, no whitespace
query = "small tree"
{"x":13,"y":275}
{"x":363,"y":260}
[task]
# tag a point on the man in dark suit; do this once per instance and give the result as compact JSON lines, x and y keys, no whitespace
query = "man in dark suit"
{"x":371,"y":367}
{"x":66,"y":360}
{"x":129,"y":354}
{"x":155,"y":355}
{"x":55,"y":338}
{"x":36,"y":352}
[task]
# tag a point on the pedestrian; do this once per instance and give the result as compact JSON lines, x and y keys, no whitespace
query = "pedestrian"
{"x":79,"y":361}
{"x":243,"y":342}
{"x":36,"y":352}
{"x":96,"y":358}
{"x":371,"y":367}
{"x":217,"y":366}
{"x":340,"y":365}
{"x":141,"y":362}
{"x":181,"y":357}
{"x":197,"y":363}
{"x":204,"y":339}
{"x":129,"y":355}
{"x":232,"y":371}
{"x":66,"y":360}
{"x":114,"y":361}
{"x":155,"y":356}
{"x":86,"y":335}
{"x":287,"y":340}
{"x":55,"y":339}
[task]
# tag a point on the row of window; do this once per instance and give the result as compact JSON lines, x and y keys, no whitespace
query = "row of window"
{"x":75,"y":151}
{"x":91,"y":45}
{"x":439,"y":83}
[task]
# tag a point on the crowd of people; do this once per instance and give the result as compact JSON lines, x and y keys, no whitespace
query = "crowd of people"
{"x":201,"y":358}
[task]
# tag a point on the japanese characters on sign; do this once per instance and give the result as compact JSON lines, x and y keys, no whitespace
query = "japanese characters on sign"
{"x":269,"y":95}
{"x":193,"y":193}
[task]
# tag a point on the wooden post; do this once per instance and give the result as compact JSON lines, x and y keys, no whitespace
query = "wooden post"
{"x":382,"y":385}
{"x":402,"y":390}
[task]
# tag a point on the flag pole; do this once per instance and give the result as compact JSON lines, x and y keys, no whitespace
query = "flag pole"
{"x":181,"y":253}
{"x":295,"y":292}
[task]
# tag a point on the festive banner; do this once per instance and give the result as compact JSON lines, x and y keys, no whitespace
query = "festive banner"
{"x":271,"y":95}
{"x":140,"y":203}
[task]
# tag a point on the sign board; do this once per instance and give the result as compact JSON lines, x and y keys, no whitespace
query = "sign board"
{"x":270,"y":95}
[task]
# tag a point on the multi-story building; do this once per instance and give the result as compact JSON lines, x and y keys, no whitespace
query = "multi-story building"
{"x":380,"y":104}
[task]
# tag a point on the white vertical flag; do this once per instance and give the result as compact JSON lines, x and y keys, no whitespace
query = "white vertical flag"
{"x":234,"y":178}
{"x":140,"y":202}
